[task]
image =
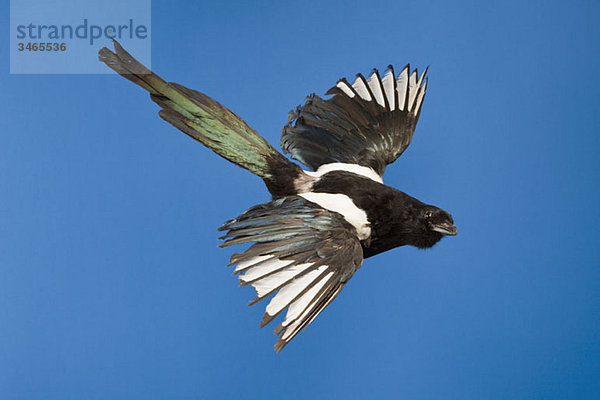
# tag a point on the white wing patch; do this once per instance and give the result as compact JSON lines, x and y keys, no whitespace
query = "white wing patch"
{"x":292,"y":283}
{"x":262,"y":268}
{"x":269,"y":282}
{"x":343,"y":205}
{"x":289,"y":292}
{"x":405,"y":93}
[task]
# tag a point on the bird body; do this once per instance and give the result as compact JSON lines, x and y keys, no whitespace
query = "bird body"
{"x":320,"y":225}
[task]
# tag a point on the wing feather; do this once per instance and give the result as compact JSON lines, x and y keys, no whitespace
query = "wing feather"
{"x":412,"y":89}
{"x":403,"y":87}
{"x":369,"y":123}
{"x":362,"y":88}
{"x":376,"y":87}
{"x":302,"y":255}
{"x":389,"y":85}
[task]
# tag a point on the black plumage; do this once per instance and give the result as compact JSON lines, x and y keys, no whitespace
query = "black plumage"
{"x":313,"y":236}
{"x":396,"y":218}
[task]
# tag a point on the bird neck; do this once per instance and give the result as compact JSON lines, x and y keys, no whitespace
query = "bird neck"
{"x":393,"y":215}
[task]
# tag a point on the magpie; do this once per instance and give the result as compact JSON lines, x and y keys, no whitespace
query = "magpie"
{"x":321,"y":223}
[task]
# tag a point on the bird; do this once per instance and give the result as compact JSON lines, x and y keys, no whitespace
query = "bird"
{"x":323,"y":221}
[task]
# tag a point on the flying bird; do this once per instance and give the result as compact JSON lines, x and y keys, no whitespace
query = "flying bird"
{"x":322,"y":222}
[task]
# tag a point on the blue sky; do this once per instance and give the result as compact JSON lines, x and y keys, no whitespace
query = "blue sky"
{"x":111,"y":282}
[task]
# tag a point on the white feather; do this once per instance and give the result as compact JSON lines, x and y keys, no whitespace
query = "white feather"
{"x":416,"y":88}
{"x":388,"y":86}
{"x":412,"y":89}
{"x":326,"y":304}
{"x":273,"y":281}
{"x":402,"y":87}
{"x":345,"y":88}
{"x":290,"y":291}
{"x":354,"y":168}
{"x":343,"y":205}
{"x":299,"y":306}
{"x":264,"y":268}
{"x":420,"y":98}
{"x":361,"y":89}
{"x":248,"y":263}
{"x":375,"y":86}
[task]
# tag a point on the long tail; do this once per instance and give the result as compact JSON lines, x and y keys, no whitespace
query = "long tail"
{"x":205,"y":120}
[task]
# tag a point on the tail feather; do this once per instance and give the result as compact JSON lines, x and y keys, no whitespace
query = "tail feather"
{"x":200,"y":117}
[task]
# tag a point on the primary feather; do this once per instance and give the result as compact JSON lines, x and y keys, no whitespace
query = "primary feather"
{"x":369,"y":123}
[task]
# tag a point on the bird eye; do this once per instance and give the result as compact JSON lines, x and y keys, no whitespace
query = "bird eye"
{"x":428,"y":214}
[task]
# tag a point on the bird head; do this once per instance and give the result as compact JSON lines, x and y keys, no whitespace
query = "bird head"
{"x":433,"y":224}
{"x":437,"y":220}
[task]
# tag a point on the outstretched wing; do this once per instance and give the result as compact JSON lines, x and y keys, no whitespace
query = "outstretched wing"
{"x":302,"y":252}
{"x":369,"y":122}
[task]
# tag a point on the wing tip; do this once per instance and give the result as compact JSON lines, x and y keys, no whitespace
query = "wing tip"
{"x":279,"y":345}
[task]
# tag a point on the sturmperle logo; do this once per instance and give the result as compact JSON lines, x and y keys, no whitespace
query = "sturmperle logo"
{"x":64,"y":36}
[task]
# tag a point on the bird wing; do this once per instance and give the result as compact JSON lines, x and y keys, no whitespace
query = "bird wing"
{"x":302,"y":252}
{"x":369,"y":122}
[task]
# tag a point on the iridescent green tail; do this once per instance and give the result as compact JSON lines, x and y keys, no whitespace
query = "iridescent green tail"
{"x":200,"y":117}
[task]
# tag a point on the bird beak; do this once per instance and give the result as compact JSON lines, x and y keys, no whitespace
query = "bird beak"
{"x":445,"y":229}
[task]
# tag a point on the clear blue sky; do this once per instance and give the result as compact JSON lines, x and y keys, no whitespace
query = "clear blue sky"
{"x":111,"y":282}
